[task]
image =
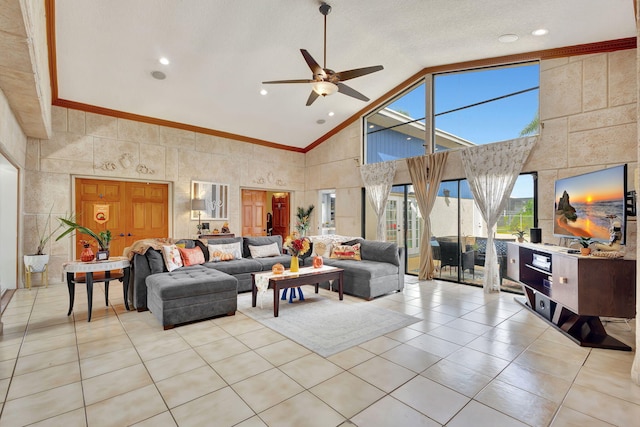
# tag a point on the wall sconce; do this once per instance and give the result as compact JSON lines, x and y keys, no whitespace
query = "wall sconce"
{"x":198,"y":205}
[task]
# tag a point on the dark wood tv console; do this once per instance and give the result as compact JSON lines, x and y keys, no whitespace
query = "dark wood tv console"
{"x":571,"y":291}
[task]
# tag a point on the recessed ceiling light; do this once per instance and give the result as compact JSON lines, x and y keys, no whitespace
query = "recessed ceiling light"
{"x":408,"y":138}
{"x":321,"y":121}
{"x":263,"y":92}
{"x":508,"y":38}
{"x":164,"y":61}
{"x":331,"y":113}
{"x":540,"y":32}
{"x":158,"y":75}
{"x":370,"y":126}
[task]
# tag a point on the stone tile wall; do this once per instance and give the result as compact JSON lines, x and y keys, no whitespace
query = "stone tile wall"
{"x":588,"y":113}
{"x":587,"y":108}
{"x":96,"y":146}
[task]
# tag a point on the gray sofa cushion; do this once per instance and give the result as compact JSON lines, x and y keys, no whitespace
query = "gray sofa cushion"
{"x":235,"y":266}
{"x":379,"y":251}
{"x":260,"y":241}
{"x":363,"y":270}
{"x":190,"y":282}
{"x":156,"y":262}
{"x":269,"y":262}
{"x":188,"y":243}
{"x":224,"y":240}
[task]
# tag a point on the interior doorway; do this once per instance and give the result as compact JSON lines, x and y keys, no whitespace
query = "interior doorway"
{"x":281,"y":212}
{"x":254,"y":213}
{"x":265,"y":213}
{"x":134,"y":210}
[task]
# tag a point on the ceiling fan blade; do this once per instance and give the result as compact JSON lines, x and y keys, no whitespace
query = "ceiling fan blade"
{"x":312,"y":97}
{"x":315,"y":68}
{"x":272,"y":82}
{"x":352,"y":74}
{"x":346,"y":90}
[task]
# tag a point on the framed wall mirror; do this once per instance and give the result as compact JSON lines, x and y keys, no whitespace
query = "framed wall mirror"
{"x":215,"y":198}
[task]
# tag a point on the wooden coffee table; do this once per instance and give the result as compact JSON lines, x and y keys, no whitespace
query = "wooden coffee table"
{"x":306,"y":276}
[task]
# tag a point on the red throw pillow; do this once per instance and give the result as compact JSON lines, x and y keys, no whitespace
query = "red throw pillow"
{"x":193,"y":256}
{"x":346,"y":252}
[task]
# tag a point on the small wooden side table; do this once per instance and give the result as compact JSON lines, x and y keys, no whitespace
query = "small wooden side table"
{"x":103,"y":267}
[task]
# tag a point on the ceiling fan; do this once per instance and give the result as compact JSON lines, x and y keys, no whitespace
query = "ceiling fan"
{"x":326,"y":81}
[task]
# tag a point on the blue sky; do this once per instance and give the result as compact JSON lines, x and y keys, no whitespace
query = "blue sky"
{"x":491,"y":122}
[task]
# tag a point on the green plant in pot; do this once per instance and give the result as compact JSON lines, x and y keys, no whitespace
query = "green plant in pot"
{"x":585,"y":242}
{"x":303,"y":219}
{"x":520,"y":234}
{"x":103,"y":238}
{"x":37,"y":262}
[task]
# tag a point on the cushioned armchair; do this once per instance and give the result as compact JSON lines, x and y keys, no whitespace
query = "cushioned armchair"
{"x":450,"y":255}
{"x":501,"y":248}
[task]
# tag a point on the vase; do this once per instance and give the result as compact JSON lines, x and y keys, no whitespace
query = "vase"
{"x":294,"y":267}
{"x":318,"y":262}
{"x":86,"y":255}
{"x":585,"y":251}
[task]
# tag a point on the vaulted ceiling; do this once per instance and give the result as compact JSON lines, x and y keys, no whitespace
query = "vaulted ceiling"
{"x":220,"y":51}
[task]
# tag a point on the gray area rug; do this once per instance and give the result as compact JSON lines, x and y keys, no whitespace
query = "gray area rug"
{"x":325,"y":325}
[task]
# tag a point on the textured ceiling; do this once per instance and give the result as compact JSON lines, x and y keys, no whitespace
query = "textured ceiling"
{"x":222,"y":50}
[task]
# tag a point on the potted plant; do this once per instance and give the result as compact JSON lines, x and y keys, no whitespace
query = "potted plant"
{"x":585,"y":242}
{"x":103,"y":238}
{"x":520,"y":234}
{"x":37,"y":263}
{"x":303,"y":219}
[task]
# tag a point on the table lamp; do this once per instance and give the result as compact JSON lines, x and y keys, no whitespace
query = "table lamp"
{"x":198,"y":205}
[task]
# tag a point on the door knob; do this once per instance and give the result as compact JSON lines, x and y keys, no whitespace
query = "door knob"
{"x":121,"y":234}
{"x":129,"y":234}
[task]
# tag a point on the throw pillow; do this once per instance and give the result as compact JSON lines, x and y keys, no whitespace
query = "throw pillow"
{"x":192,"y":256}
{"x":216,"y":251}
{"x":171,"y":256}
{"x":156,"y":261}
{"x":346,"y":252}
{"x":322,"y":248}
{"x":264,"y":251}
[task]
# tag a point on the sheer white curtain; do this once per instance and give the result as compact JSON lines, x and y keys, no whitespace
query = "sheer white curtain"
{"x":492,"y":171}
{"x":378,"y":180}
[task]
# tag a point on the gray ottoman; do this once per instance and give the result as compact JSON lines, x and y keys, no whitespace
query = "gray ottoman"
{"x":191,"y":293}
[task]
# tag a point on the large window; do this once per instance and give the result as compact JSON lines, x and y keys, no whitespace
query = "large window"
{"x":397,"y":130}
{"x":471,"y":107}
{"x":460,"y":233}
{"x":485,"y":106}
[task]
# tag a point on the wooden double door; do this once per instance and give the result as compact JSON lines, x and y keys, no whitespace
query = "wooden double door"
{"x":255,"y":211}
{"x":134,"y":210}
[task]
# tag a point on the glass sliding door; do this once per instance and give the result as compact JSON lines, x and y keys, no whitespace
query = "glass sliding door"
{"x":460,"y":233}
{"x":404,"y":225}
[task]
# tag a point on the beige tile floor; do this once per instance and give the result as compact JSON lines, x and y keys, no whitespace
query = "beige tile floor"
{"x":473,"y":360}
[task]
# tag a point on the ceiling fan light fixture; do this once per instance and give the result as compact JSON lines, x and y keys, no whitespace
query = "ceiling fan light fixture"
{"x":325,"y":88}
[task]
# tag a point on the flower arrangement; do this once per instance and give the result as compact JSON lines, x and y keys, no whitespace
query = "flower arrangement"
{"x":303,"y":219}
{"x":85,"y":243}
{"x":296,"y":245}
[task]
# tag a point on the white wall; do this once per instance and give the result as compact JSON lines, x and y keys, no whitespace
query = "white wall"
{"x":9,"y":221}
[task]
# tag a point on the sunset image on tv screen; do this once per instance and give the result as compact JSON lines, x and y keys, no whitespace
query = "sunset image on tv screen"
{"x":586,"y":205}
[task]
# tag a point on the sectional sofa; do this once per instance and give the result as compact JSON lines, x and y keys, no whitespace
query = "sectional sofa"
{"x":210,"y":289}
{"x":151,"y":262}
{"x":380,"y":270}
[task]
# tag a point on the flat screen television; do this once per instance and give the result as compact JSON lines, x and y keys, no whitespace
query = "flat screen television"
{"x":586,"y":205}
